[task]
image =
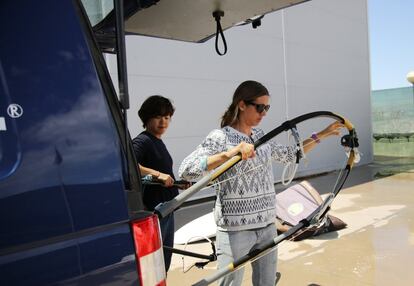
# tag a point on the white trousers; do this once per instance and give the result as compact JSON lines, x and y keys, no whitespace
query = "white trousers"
{"x":232,"y":245}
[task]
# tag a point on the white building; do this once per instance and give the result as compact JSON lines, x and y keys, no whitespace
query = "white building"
{"x":313,"y":56}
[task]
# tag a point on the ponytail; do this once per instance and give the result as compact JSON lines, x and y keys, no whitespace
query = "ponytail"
{"x":230,"y":116}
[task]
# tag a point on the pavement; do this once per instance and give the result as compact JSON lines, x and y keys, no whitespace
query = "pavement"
{"x":376,"y":248}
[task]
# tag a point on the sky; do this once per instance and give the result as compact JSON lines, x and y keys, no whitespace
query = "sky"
{"x":391,"y":33}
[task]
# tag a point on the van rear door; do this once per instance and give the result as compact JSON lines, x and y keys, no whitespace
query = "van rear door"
{"x":64,"y":212}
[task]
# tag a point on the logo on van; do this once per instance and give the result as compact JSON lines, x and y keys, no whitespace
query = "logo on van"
{"x":14,"y":110}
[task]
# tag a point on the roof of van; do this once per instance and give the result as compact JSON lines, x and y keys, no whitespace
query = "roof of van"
{"x":190,"y":20}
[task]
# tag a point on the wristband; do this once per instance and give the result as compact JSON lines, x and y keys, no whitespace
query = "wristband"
{"x":203,"y":163}
{"x":315,"y":137}
{"x":147,"y":178}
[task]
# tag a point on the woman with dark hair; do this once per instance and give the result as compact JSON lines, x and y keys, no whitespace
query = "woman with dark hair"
{"x":245,"y":207}
{"x":154,"y":159}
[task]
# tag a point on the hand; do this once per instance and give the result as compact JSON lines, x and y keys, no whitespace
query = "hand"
{"x":246,"y":150}
{"x":331,"y":129}
{"x":166,"y":179}
{"x":182,"y":185}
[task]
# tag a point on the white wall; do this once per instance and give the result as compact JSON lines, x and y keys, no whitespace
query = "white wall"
{"x":313,"y":56}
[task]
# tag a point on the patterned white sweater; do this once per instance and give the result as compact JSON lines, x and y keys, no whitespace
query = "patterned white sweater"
{"x":245,"y":194}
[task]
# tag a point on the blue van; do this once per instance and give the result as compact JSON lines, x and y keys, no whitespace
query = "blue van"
{"x":71,"y":210}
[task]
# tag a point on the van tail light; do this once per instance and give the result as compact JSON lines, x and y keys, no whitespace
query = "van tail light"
{"x":149,"y":251}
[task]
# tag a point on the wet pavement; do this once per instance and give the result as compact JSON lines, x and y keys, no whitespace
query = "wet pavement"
{"x":377,"y":247}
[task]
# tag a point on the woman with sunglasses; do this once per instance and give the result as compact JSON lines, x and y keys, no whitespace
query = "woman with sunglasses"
{"x":245,"y":207}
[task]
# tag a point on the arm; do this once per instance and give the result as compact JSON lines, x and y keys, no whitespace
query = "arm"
{"x":194,"y":166}
{"x":280,"y":153}
{"x":245,"y":149}
{"x":210,"y":154}
{"x":148,"y":171}
{"x":141,"y":145}
{"x":166,"y":179}
{"x":331,"y":130}
{"x":285,"y":154}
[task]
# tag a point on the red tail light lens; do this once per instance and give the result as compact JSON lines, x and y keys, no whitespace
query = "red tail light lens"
{"x":149,"y":251}
{"x":147,"y":232}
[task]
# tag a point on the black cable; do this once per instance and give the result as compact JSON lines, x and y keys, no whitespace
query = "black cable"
{"x":217,"y":15}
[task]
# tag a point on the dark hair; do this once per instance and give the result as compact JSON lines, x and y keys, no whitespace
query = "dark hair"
{"x":153,"y":106}
{"x":247,"y":91}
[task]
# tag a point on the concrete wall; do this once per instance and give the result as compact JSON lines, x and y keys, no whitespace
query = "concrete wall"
{"x":313,"y":56}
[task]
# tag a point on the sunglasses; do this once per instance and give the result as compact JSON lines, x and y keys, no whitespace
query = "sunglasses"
{"x":259,"y":107}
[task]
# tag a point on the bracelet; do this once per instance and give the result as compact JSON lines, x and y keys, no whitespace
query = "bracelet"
{"x":315,"y":137}
{"x":203,"y":163}
{"x":147,"y":178}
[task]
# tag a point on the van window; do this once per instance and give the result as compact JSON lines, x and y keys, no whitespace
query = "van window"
{"x":97,"y":9}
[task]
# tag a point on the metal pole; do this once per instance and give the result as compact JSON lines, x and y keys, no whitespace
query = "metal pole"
{"x":413,"y":91}
{"x":121,"y":54}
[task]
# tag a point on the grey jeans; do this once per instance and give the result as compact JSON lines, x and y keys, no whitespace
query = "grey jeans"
{"x":232,"y":245}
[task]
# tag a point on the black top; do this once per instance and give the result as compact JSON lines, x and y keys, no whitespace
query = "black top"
{"x":152,"y":153}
